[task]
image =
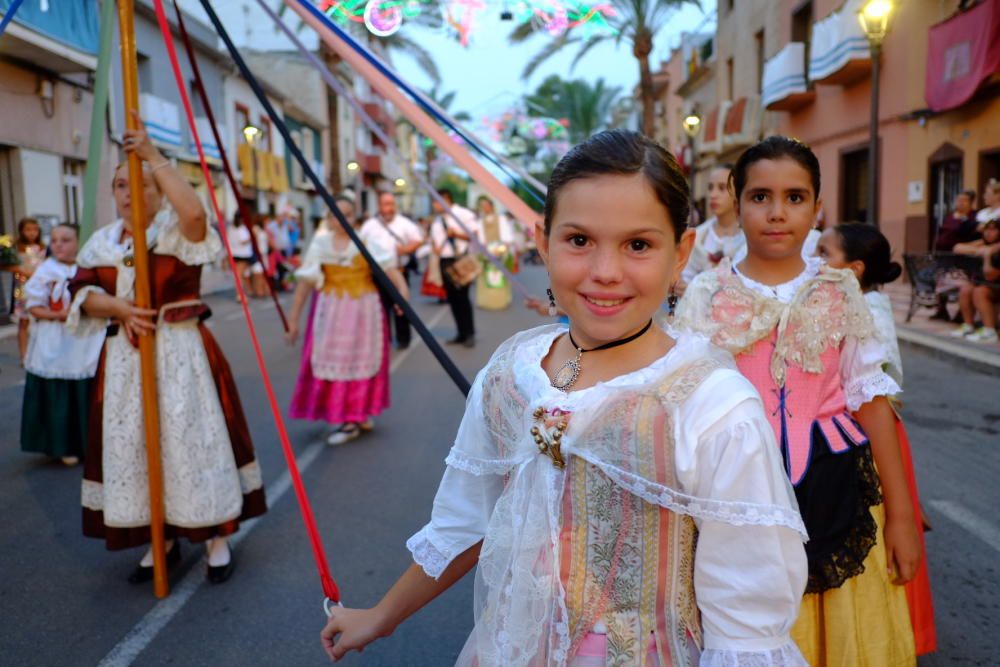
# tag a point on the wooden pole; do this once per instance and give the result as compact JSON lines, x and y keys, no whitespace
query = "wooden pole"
{"x":147,"y":350}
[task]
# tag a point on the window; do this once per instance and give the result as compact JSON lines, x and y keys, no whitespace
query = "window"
{"x":242,"y":120}
{"x":72,"y":191}
{"x":145,"y":73}
{"x":265,"y":142}
{"x":854,"y":185}
{"x":802,"y":19}
{"x":730,"y":93}
{"x":7,"y":224}
{"x":196,"y":105}
{"x":759,"y":39}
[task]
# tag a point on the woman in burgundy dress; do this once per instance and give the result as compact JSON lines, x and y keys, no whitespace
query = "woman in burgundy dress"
{"x":210,"y":473}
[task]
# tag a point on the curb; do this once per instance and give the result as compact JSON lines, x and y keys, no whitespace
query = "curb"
{"x":974,"y":358}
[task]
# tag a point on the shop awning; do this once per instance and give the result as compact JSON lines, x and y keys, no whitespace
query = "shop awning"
{"x":162,"y":119}
{"x":711,"y":138}
{"x":839,"y":52}
{"x":742,"y":125}
{"x":784,"y":87}
{"x":962,"y":52}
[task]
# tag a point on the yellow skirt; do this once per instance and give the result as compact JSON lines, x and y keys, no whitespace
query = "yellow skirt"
{"x":864,"y":623}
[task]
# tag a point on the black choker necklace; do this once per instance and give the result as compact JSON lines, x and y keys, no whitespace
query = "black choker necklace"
{"x":568,"y":373}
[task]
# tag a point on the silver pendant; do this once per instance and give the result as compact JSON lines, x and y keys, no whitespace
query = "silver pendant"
{"x":568,"y":373}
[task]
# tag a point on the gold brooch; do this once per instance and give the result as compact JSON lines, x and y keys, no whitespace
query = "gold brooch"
{"x":129,"y":261}
{"x":548,"y":436}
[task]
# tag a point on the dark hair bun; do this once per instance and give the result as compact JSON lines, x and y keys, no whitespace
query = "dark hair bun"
{"x":864,"y":243}
{"x":892,"y":272}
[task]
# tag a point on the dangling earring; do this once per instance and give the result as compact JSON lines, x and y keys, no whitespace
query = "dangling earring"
{"x":552,"y":303}
{"x":672,"y":301}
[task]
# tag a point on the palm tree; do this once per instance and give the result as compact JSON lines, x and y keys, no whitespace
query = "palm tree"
{"x":588,"y":108}
{"x":637,"y":21}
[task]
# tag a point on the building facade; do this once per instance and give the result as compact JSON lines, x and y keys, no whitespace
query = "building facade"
{"x":803,"y":69}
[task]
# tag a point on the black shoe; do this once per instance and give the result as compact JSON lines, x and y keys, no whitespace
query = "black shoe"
{"x":141,"y":575}
{"x":469,"y":342}
{"x":402,"y":346}
{"x":457,"y":340}
{"x":219,"y":574}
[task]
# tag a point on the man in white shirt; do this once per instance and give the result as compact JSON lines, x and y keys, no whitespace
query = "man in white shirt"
{"x":398,"y":231}
{"x":279,"y":231}
{"x":450,"y":242}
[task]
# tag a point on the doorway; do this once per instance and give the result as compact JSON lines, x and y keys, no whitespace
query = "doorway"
{"x":945,"y":167}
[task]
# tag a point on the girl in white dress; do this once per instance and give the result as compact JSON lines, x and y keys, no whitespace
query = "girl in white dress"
{"x":617,"y":483}
{"x":58,"y":366}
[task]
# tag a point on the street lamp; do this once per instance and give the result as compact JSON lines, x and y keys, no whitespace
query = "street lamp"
{"x":692,"y":123}
{"x":250,"y":133}
{"x":400,"y":183}
{"x":874,"y":19}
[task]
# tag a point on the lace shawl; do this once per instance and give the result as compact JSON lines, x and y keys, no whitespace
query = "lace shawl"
{"x":823,"y":311}
{"x":522,"y":616}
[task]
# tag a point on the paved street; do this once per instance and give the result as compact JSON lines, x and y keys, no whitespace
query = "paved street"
{"x":64,"y":599}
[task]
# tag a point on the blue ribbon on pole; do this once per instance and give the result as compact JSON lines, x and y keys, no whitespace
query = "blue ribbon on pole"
{"x":9,"y":15}
{"x":380,"y":277}
{"x":417,"y":96}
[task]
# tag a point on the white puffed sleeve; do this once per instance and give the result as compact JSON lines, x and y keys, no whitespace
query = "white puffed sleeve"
{"x":37,"y":289}
{"x":465,"y":499}
{"x":748,"y":578}
{"x":862,"y":364}
{"x":171,"y":241}
{"x":311,"y":268}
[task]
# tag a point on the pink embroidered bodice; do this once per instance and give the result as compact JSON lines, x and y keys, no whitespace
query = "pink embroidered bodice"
{"x":809,"y":349}
{"x":806,"y":403}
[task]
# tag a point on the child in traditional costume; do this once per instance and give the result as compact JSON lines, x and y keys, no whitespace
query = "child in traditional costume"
{"x":802,"y":333}
{"x":497,"y":235}
{"x":720,"y":236}
{"x":865,"y":251}
{"x":30,"y":253}
{"x":59,"y":366}
{"x":344,"y":377}
{"x":210,"y":475}
{"x":618,"y":484}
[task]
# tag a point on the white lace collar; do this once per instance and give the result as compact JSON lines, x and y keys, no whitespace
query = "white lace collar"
{"x":786,"y":291}
{"x":533,"y":379}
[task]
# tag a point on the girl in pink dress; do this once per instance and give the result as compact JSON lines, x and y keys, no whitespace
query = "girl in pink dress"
{"x":344,"y":377}
{"x":802,"y":333}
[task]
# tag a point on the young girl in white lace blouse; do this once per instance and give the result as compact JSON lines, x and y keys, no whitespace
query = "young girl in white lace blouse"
{"x":618,"y":484}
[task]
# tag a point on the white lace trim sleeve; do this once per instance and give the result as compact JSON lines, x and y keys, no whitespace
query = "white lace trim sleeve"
{"x":862,"y":363}
{"x":479,"y":466}
{"x":862,"y":390}
{"x":79,"y":323}
{"x":787,"y":655}
{"x":428,"y":555}
{"x":170,"y":241}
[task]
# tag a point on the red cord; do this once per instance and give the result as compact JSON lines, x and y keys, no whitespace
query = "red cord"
{"x":329,"y":585}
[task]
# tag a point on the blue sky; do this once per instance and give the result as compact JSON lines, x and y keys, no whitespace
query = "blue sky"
{"x":487,"y":74}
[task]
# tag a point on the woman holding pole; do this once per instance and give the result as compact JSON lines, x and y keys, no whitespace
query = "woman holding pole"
{"x":211,"y":480}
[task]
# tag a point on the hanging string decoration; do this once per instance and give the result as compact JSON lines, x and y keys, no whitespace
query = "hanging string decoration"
{"x":555,"y":17}
{"x":460,"y":16}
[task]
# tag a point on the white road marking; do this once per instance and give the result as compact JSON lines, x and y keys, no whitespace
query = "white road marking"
{"x":981,"y":528}
{"x":142,"y":634}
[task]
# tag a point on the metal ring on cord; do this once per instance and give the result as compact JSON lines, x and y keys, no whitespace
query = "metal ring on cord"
{"x":326,"y":606}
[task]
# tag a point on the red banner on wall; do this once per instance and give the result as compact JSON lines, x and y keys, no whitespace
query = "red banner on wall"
{"x":962,"y":52}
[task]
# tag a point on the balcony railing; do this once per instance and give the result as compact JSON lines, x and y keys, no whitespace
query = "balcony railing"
{"x":839,"y":51}
{"x":784,"y":86}
{"x":162,"y":119}
{"x":742,"y":123}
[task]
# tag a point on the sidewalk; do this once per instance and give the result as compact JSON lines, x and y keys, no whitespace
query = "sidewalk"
{"x":213,"y":279}
{"x":933,"y":335}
